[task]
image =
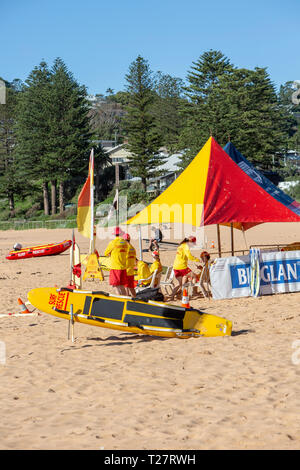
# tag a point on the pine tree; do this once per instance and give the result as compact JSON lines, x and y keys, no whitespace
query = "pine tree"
{"x":139,"y":123}
{"x":9,"y":183}
{"x":32,"y":131}
{"x":289,"y":99}
{"x":200,"y":114}
{"x":166,"y":108}
{"x":236,"y":104}
{"x":250,"y":115}
{"x":69,"y":129}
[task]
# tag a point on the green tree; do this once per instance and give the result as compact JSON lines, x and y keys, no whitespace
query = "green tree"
{"x":166,"y":108}
{"x":104,"y":173}
{"x":32,"y":131}
{"x":236,"y":104}
{"x":250,"y":115}
{"x":141,"y":129}
{"x":199,"y":113}
{"x":53,"y":131}
{"x":289,"y":98}
{"x":9,"y":183}
{"x":69,"y":132}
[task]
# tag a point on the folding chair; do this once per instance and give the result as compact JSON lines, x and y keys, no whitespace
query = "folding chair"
{"x":204,"y":279}
{"x":167,"y":282}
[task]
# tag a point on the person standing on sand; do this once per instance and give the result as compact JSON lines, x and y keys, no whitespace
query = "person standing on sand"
{"x":182,"y":272}
{"x":117,"y":250}
{"x":131,"y":258}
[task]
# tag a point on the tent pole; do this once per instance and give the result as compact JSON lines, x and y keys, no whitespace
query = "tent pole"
{"x":245,"y":239}
{"x":219,"y":241}
{"x":140,"y":243}
{"x":232,"y":239}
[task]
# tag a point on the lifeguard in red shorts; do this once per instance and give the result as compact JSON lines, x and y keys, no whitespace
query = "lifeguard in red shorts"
{"x":117,"y":250}
{"x":181,"y":270}
{"x":131,"y":260}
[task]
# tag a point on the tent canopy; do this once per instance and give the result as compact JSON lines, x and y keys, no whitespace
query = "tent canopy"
{"x":214,"y":189}
{"x":261,"y":180}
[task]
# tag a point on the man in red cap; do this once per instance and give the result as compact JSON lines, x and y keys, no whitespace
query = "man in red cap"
{"x":117,"y":250}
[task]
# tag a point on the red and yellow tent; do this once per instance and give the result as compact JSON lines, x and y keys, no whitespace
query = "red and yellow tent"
{"x":213,"y":189}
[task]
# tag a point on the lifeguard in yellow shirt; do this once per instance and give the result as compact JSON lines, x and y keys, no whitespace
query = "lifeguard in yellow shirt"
{"x":117,"y":250}
{"x":156,"y":265}
{"x":143,"y":272}
{"x":181,"y":270}
{"x":130,"y":265}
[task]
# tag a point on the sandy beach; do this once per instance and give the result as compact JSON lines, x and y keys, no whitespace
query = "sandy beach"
{"x":114,"y":390}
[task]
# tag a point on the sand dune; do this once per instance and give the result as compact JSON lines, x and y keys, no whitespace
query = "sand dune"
{"x":113,"y":390}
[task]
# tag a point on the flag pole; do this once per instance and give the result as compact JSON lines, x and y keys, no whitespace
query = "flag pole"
{"x":72,"y":258}
{"x":92,"y":242}
{"x":117,"y":193}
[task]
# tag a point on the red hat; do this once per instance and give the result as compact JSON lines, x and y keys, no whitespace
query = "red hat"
{"x":155,"y":253}
{"x":117,"y":231}
{"x":192,"y":239}
{"x":126,"y":236}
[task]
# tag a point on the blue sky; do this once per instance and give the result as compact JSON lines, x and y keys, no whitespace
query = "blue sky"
{"x":99,"y":39}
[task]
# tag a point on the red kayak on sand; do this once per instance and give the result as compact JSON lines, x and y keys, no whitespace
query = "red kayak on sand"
{"x":40,"y":250}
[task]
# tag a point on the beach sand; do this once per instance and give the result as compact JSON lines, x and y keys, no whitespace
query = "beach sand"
{"x":114,"y":390}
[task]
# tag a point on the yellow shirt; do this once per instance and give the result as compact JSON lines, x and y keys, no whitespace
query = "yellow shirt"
{"x":117,"y":250}
{"x":156,"y":265}
{"x":183,"y":254}
{"x":131,"y":258}
{"x":143,"y":272}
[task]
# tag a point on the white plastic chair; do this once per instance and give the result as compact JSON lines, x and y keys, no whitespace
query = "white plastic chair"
{"x":155,"y":279}
{"x":167,"y":282}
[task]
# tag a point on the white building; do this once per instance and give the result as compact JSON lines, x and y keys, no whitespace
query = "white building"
{"x":170,"y":169}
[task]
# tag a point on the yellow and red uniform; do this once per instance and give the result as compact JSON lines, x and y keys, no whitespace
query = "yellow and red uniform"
{"x":143,"y":272}
{"x":156,"y":265}
{"x":180,"y":265}
{"x":117,"y":250}
{"x":130,"y":264}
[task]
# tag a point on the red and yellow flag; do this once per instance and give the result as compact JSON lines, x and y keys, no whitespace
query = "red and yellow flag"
{"x":85,"y":209}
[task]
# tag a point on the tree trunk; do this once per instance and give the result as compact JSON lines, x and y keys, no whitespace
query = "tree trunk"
{"x":11,"y":202}
{"x":53,"y":197}
{"x":61,"y":197}
{"x":144,"y":184}
{"x":46,"y":198}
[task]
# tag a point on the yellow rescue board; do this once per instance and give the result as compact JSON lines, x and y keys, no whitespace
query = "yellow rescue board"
{"x":126,"y":314}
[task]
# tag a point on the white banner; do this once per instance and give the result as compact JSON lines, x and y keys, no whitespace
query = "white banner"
{"x":279,"y":272}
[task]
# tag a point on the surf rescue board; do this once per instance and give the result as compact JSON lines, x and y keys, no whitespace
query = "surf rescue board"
{"x":127,"y":314}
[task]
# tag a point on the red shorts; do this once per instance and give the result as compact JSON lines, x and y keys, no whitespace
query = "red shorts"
{"x":129,"y":282}
{"x":181,"y":272}
{"x":117,"y":277}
